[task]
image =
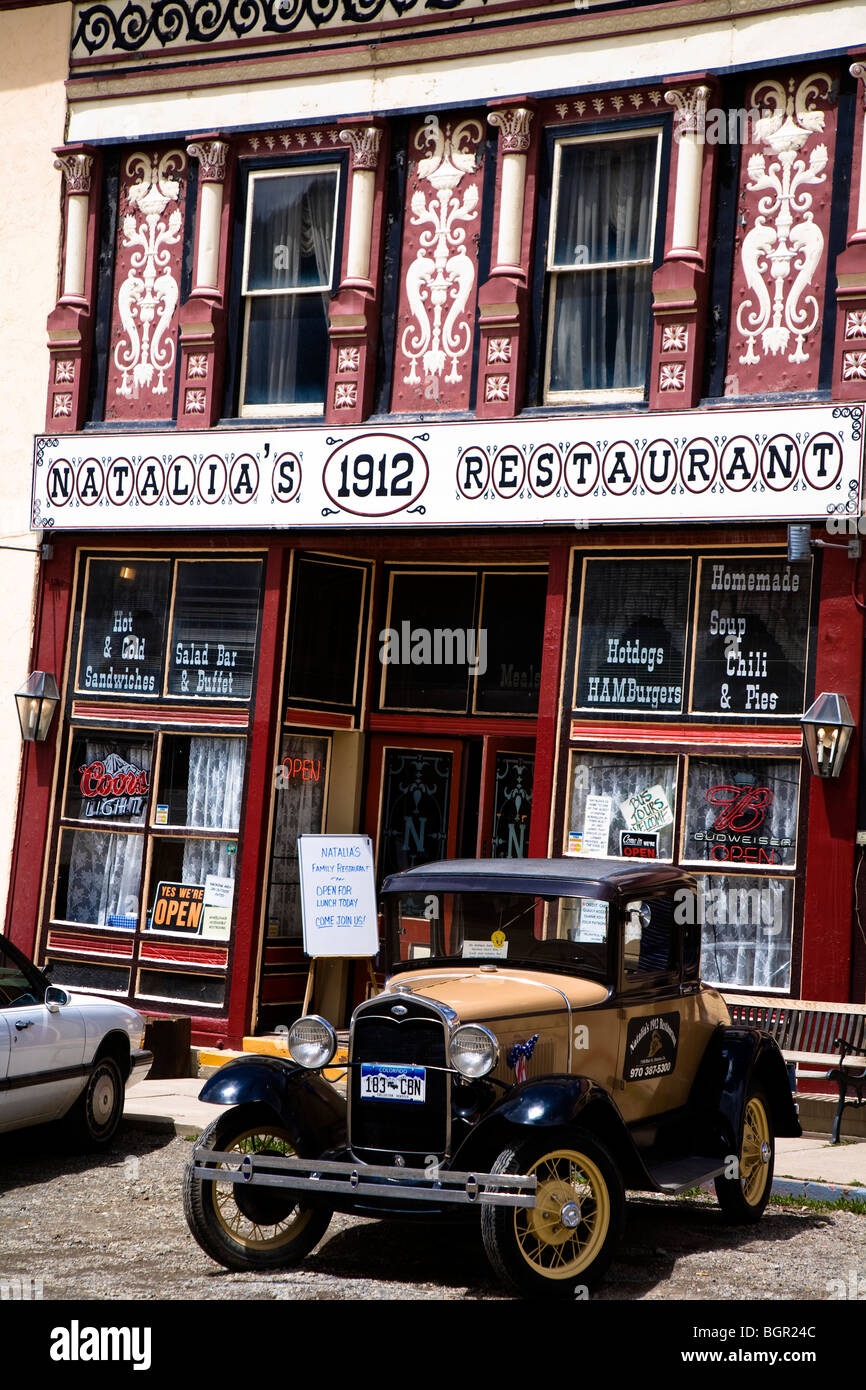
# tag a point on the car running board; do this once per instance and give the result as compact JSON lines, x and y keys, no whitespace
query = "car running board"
{"x":680,"y":1174}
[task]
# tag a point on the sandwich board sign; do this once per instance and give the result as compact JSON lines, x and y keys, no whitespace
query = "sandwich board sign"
{"x":338,"y":895}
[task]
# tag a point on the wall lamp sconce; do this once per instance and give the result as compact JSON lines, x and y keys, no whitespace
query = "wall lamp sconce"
{"x":800,"y":543}
{"x":37,"y":700}
{"x":827,"y":729}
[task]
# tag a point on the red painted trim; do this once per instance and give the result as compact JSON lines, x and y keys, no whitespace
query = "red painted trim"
{"x":159,"y":714}
{"x":30,"y":842}
{"x":548,"y":702}
{"x":319,"y":719}
{"x":830,"y":852}
{"x":448,"y":725}
{"x":252,"y":871}
{"x":164,"y":951}
{"x":685,"y":734}
{"x":86,"y":946}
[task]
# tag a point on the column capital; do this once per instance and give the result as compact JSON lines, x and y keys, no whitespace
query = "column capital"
{"x":858,"y":71}
{"x":211,"y":154}
{"x":513,"y":123}
{"x":76,"y":165}
{"x":691,"y":108}
{"x":365,"y":142}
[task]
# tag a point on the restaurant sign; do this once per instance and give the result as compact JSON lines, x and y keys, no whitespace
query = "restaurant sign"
{"x":740,"y":465}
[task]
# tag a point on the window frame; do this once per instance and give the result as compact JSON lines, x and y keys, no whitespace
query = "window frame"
{"x":261,"y":171}
{"x":548,"y":273}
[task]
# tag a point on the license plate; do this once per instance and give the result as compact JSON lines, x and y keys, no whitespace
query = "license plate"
{"x":381,"y":1082}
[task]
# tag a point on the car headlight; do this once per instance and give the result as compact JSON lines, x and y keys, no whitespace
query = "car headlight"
{"x":474,"y":1051}
{"x":312,"y":1042}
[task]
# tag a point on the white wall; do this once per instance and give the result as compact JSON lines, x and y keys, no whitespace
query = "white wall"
{"x":34,"y":46}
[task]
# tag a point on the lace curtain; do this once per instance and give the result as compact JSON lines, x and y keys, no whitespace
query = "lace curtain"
{"x":605,"y":213}
{"x":213,"y":801}
{"x":290,"y":243}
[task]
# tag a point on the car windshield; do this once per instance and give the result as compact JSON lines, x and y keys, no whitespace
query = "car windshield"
{"x":508,"y":928}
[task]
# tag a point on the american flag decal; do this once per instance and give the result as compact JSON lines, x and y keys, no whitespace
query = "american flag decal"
{"x":520,"y":1055}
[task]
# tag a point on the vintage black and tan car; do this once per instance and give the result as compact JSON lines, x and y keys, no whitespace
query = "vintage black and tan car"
{"x":543,"y":1043}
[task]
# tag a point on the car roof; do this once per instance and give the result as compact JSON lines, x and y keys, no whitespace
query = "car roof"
{"x":566,"y":877}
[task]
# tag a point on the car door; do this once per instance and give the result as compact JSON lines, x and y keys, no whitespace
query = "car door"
{"x":43,"y":1044}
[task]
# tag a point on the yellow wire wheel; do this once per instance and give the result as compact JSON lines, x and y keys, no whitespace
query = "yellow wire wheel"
{"x":755,"y":1151}
{"x":744,"y":1194}
{"x":568,"y":1237}
{"x":259,"y":1218}
{"x":563,"y":1233}
{"x":250,"y":1227}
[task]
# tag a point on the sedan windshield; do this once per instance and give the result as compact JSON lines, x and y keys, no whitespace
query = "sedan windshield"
{"x":507,"y":928}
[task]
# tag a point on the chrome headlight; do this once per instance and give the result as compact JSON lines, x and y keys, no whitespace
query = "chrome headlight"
{"x":474,"y":1051}
{"x":312,"y":1042}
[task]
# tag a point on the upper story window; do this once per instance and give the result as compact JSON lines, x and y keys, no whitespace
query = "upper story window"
{"x":600,"y":248}
{"x":288,"y":269}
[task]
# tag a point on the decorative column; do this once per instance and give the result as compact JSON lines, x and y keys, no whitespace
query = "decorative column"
{"x":354,"y":311}
{"x":202,"y":316}
{"x":503,"y":299}
{"x":70,"y":323}
{"x":849,"y":363}
{"x":680,"y":283}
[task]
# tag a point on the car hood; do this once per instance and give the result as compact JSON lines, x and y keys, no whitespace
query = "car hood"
{"x":478,"y":995}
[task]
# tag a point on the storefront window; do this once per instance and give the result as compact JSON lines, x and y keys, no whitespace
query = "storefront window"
{"x":301,"y":782}
{"x":622,"y":806}
{"x":719,"y":642}
{"x":209,"y":608}
{"x":99,"y":878}
{"x":746,"y":930}
{"x":633,"y":622}
{"x":200,"y":782}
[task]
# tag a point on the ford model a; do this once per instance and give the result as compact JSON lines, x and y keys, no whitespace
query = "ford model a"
{"x":544,"y":1042}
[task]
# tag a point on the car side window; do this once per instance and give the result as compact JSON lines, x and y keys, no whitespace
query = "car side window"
{"x":15,"y":987}
{"x":650,"y":945}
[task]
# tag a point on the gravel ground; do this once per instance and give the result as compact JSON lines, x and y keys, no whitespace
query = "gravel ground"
{"x":107,"y":1227}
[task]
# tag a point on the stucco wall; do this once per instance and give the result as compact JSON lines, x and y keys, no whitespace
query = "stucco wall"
{"x":33,"y":63}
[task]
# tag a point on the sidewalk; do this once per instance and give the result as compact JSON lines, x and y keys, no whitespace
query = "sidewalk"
{"x":806,"y":1167}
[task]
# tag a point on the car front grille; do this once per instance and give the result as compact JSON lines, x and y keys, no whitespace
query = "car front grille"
{"x":411,"y":1129}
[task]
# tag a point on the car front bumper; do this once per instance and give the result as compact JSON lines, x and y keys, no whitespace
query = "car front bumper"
{"x":349,"y":1181}
{"x":141,"y":1064}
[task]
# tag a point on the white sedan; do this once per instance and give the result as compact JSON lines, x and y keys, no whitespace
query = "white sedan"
{"x":64,"y":1055}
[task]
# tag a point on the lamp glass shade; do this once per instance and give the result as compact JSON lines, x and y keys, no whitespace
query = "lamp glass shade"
{"x":37,"y":700}
{"x":827,"y":730}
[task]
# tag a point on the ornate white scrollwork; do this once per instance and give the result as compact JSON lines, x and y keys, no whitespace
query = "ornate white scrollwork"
{"x":785,"y":236}
{"x":148,"y":296}
{"x":442,"y":274}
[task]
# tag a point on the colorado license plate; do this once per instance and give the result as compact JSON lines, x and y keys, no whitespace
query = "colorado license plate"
{"x":380,"y":1082}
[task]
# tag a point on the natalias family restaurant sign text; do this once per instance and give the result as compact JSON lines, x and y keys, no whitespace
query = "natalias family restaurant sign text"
{"x":706,"y":466}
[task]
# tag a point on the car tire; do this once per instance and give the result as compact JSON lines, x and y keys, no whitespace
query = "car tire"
{"x":743,"y":1197}
{"x":94,"y":1119}
{"x":250,"y":1228}
{"x":568,"y":1239}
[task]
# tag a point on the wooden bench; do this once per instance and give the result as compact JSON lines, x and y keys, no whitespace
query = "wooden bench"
{"x":825,"y":1042}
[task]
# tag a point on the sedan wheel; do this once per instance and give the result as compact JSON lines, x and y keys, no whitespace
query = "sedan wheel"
{"x":96,"y":1114}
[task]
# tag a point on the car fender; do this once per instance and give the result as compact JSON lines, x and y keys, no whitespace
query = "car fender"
{"x":310,"y":1109}
{"x":555,"y":1102}
{"x":736,"y":1060}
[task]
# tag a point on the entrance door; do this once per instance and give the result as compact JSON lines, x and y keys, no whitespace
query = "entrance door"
{"x":437,"y":798}
{"x":506,"y":798}
{"x":413,"y":800}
